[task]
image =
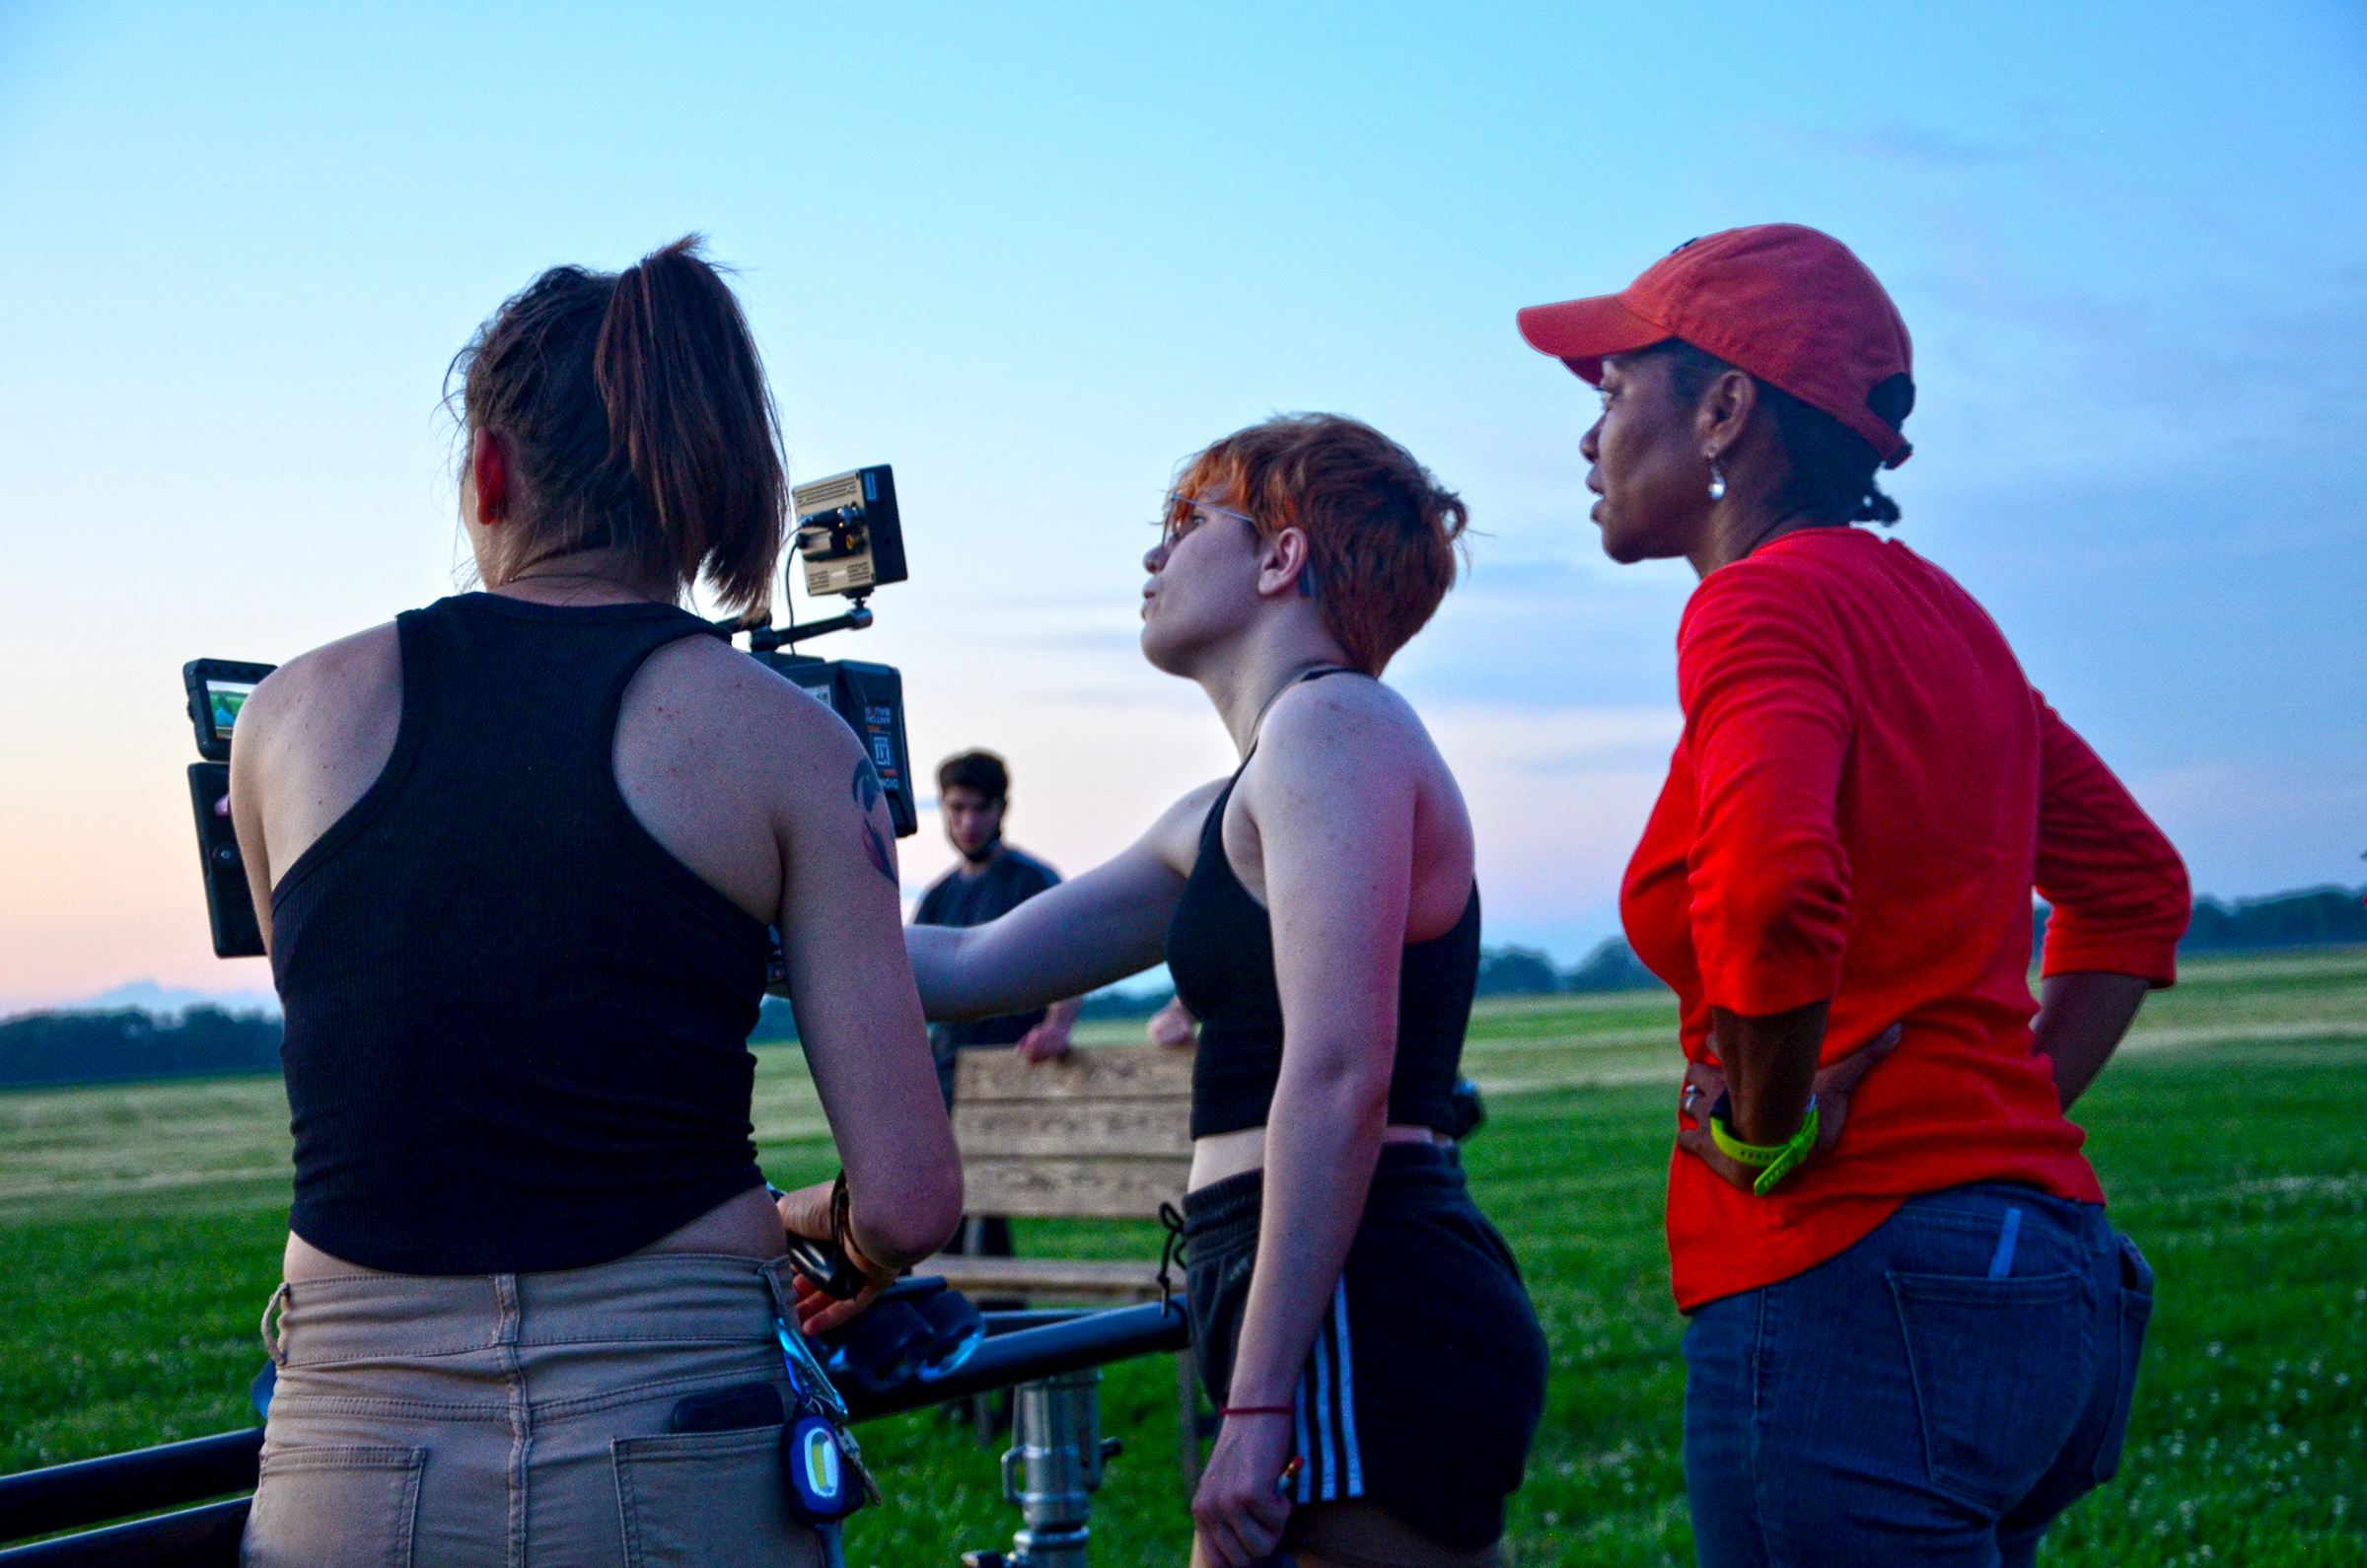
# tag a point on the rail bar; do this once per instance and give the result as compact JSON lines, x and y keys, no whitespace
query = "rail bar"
{"x":1092,"y":1341}
{"x":65,"y":1495}
{"x":194,"y":1537}
{"x":1011,"y":1321}
{"x":93,"y":1491}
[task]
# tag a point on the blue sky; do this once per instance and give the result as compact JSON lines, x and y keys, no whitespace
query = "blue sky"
{"x":1034,"y":254}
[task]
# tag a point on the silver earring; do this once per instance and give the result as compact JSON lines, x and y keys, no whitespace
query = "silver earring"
{"x":1717,"y":480}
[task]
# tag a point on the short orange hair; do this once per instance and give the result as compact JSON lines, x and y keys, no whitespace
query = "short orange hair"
{"x":1381,"y":531}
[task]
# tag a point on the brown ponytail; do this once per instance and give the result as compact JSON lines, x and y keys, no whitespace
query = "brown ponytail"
{"x":637,"y":409}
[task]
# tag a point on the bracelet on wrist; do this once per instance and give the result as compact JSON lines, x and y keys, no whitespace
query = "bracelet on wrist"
{"x":1231,"y":1411}
{"x":837,"y":1266}
{"x":1772,"y":1160}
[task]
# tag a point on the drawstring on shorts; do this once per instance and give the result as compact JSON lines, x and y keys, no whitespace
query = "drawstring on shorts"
{"x":1170,"y":1253}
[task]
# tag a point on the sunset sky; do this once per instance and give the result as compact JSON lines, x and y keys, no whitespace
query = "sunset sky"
{"x":1031,"y":255}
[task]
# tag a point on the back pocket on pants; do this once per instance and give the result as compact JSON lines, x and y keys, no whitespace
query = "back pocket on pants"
{"x":2135,"y":1311}
{"x":2001,"y":1370}
{"x":334,"y":1507}
{"x":707,"y":1500}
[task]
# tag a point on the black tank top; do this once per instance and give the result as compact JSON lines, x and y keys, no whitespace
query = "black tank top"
{"x":1220,"y":948}
{"x":516,"y":1025}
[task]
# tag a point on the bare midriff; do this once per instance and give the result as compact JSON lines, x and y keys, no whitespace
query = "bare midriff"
{"x":746,"y":1224}
{"x":1229,"y":1154}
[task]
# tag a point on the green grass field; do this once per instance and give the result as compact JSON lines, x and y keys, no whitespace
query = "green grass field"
{"x":140,"y":1228}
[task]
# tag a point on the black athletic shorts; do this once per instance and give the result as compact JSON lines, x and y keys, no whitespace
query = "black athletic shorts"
{"x":1428,"y":1371}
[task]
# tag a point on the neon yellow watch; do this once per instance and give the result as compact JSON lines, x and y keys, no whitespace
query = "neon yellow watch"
{"x":1772,"y":1160}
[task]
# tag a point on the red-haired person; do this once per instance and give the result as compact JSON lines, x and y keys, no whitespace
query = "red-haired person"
{"x":515,"y":856}
{"x":1352,"y":1306}
{"x":1913,"y":1336}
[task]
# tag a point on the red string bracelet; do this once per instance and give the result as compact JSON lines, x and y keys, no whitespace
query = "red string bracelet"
{"x":1258,"y":1410}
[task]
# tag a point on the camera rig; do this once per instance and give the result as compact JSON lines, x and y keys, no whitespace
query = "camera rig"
{"x":850,"y":540}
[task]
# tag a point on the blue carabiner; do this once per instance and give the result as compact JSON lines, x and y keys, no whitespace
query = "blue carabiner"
{"x":812,"y":1385}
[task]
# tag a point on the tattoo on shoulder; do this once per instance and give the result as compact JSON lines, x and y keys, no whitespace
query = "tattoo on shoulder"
{"x":866,"y":790}
{"x":880,"y":860}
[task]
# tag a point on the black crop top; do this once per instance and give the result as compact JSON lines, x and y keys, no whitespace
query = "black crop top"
{"x":1220,"y":948}
{"x":516,"y":1025}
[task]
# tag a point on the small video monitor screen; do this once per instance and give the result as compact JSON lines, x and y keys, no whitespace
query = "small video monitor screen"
{"x":224,"y":698}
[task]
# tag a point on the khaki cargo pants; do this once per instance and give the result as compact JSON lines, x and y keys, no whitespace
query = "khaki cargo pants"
{"x":518,"y":1421}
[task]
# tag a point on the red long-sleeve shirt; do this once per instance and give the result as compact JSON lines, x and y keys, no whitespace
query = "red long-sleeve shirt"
{"x":1865,"y":794}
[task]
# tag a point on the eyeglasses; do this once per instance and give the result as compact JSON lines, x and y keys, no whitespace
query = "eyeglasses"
{"x":1177,"y":519}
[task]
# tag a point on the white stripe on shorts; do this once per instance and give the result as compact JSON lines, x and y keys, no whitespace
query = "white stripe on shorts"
{"x":1323,"y":1410}
{"x":1348,"y":1393}
{"x":1326,"y":1431}
{"x":1298,"y":1399}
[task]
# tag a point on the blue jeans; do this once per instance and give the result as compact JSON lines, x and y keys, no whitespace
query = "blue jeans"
{"x":1936,"y":1394}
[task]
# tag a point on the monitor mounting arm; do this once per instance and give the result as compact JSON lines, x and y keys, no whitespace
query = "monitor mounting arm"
{"x":764,"y":639}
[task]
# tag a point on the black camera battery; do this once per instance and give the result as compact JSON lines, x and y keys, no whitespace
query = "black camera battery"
{"x":229,"y":900}
{"x":871,"y":700}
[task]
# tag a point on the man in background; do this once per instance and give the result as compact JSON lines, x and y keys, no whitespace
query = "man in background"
{"x":991,"y":879}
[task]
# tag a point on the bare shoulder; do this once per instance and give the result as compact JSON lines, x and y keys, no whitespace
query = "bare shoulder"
{"x":733,"y":704}
{"x":352,"y":676}
{"x":1345,"y":748}
{"x":702,"y":714}
{"x":1343,"y":724}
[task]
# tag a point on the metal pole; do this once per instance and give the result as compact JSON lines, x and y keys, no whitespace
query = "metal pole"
{"x":1053,"y":1467}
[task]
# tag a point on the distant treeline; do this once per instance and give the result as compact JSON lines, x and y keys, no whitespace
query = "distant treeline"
{"x":779,"y":1022}
{"x":105,"y":1047}
{"x":50,"y":1048}
{"x":2316,"y":917}
{"x":1525,"y":972}
{"x":2320,"y":917}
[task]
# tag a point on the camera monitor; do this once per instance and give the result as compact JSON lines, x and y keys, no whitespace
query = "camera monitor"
{"x":217,"y":689}
{"x":848,"y":533}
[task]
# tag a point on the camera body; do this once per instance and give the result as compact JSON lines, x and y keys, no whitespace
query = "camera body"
{"x":849,"y":540}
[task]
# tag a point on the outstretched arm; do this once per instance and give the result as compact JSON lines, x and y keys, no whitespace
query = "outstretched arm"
{"x":1084,"y":934}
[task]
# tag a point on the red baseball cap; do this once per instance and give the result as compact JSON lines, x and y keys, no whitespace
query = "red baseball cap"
{"x":1791,"y":305}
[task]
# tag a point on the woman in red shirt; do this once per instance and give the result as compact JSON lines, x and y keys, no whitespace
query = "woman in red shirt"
{"x":1913,"y":1336}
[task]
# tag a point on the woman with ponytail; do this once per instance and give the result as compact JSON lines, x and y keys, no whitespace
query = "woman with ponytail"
{"x":516,"y":855}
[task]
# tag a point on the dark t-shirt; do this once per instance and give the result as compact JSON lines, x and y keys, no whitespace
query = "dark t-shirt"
{"x":1010,"y":880}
